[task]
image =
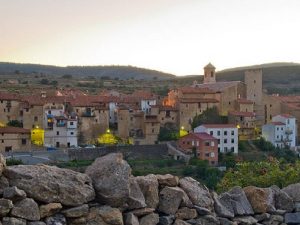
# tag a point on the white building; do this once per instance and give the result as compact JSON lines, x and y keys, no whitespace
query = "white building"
{"x":147,"y":103}
{"x":60,"y":130}
{"x":282,"y":131}
{"x":227,"y":135}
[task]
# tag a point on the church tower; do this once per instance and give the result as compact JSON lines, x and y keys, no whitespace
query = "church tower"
{"x":209,"y":74}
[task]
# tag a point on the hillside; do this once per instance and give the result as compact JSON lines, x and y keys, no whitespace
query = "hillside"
{"x":283,"y":78}
{"x":121,"y":72}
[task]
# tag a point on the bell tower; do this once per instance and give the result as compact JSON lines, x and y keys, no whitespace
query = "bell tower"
{"x":209,"y":74}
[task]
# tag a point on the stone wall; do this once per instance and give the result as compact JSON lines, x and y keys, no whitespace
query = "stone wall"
{"x":107,"y":194}
{"x":130,"y":152}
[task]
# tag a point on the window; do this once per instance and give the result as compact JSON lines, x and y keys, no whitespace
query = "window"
{"x":232,"y":149}
{"x":153,"y":130}
{"x":232,"y":140}
{"x":23,"y":141}
{"x":197,"y":143}
{"x":211,"y":132}
{"x":212,"y":154}
{"x":2,"y":141}
{"x":71,"y":123}
{"x":219,"y":133}
{"x":254,"y":81}
{"x":35,"y":119}
{"x":232,"y":132}
{"x":277,"y":128}
{"x":49,"y":112}
{"x":225,"y":141}
{"x":8,"y":109}
{"x":193,"y":143}
{"x":288,"y":121}
{"x":168,"y":113}
{"x":212,"y":74}
{"x":212,"y":144}
{"x":72,"y":133}
{"x":207,"y":154}
{"x":206,"y":143}
{"x":219,"y":141}
{"x":57,"y":132}
{"x":225,"y":132}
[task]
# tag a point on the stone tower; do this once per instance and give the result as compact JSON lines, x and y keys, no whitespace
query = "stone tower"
{"x":253,"y":81}
{"x":209,"y":74}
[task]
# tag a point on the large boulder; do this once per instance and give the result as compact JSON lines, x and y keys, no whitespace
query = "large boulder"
{"x":236,"y":202}
{"x":262,"y":200}
{"x":149,"y":187}
{"x":293,"y":190}
{"x":198,"y":193}
{"x":27,"y":209}
{"x":220,"y":209}
{"x":170,"y":199}
{"x":167,"y":180}
{"x":51,"y":184}
{"x":282,"y":200}
{"x":110,"y":175}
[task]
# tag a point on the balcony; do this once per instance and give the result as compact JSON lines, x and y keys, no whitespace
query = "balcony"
{"x":88,"y":114}
{"x":61,"y":124}
{"x":8,"y":105}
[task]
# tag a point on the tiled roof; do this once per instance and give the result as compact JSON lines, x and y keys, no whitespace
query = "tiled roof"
{"x":198,"y":100}
{"x":196,"y":90}
{"x":219,"y":125}
{"x":219,"y":86}
{"x":286,"y":115}
{"x":200,"y":135}
{"x":14,"y":130}
{"x":8,"y":96}
{"x":278,"y":123}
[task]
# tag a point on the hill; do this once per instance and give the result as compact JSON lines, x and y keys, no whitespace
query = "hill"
{"x":282,"y":78}
{"x":121,"y":72}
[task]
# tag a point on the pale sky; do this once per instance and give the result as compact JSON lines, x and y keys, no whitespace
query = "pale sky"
{"x":175,"y":36}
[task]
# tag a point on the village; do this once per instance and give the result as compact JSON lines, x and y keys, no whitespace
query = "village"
{"x":72,"y":119}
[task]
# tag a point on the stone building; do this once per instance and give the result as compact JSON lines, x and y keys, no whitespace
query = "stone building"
{"x":13,"y":139}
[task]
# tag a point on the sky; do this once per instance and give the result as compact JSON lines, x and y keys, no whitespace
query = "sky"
{"x":173,"y":36}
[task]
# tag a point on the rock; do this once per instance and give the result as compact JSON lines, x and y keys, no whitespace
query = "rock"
{"x":14,"y":193}
{"x":198,"y":194}
{"x":105,"y":214}
{"x":51,"y":184}
{"x":50,"y":209}
{"x":186,"y":202}
{"x":261,"y":199}
{"x":136,"y":198}
{"x":149,"y":188}
{"x":202,"y":211}
{"x":207,"y":220}
{"x":142,"y":212}
{"x":293,"y":190}
{"x":77,"y":221}
{"x":283,"y":200}
{"x":13,"y":221}
{"x":261,"y":217}
{"x":245,"y":220}
{"x":131,"y":219}
{"x":225,"y":221}
{"x":180,"y":222}
{"x":5,"y":206}
{"x":57,"y":219}
{"x":170,"y":199}
{"x":186,"y":213}
{"x":3,"y":184}
{"x":110,"y":175}
{"x":166,"y":220}
{"x":292,"y":218}
{"x":94,"y":218}
{"x":78,"y":211}
{"x":167,"y":180}
{"x":36,"y":223}
{"x":151,"y":219}
{"x":236,"y":202}
{"x":220,"y":209}
{"x":2,"y":164}
{"x":27,"y":209}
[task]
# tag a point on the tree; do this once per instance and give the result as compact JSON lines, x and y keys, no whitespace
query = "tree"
{"x":168,"y":133}
{"x":14,"y":123}
{"x":210,"y":115}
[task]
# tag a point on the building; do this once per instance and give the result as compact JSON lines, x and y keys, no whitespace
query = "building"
{"x":226,"y":134}
{"x":204,"y":145}
{"x":13,"y":139}
{"x":282,"y":131}
{"x":245,"y":122}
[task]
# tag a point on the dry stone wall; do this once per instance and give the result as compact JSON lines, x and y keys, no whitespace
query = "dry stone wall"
{"x":107,"y":194}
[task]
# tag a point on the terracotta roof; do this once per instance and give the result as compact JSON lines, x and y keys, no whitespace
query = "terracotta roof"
{"x":278,"y":123}
{"x":219,"y":125}
{"x":286,"y":115}
{"x":198,"y":100}
{"x":219,"y":86}
{"x":165,"y":108}
{"x":245,"y":101}
{"x":245,"y":114}
{"x":200,"y":135}
{"x":8,"y":96}
{"x":14,"y":130}
{"x":196,"y":90}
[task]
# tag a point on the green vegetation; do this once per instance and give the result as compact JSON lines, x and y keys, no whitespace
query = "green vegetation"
{"x":13,"y":161}
{"x":211,"y":115}
{"x":261,"y":174}
{"x":14,"y":123}
{"x":168,"y":133}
